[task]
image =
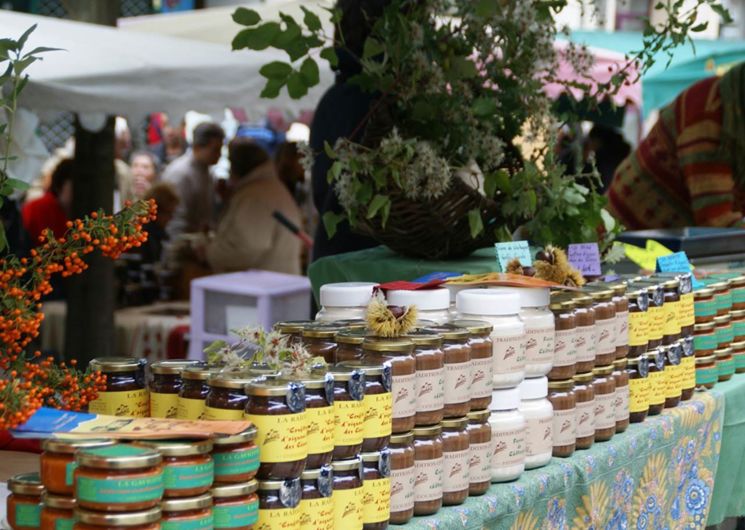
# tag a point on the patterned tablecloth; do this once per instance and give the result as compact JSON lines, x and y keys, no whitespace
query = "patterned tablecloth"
{"x":656,"y":475}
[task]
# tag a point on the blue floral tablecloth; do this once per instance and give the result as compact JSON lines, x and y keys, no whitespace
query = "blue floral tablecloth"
{"x":657,"y":475}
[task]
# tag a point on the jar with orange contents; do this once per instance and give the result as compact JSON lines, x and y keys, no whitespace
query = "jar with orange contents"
{"x":193,"y":513}
{"x":236,"y":456}
{"x":57,"y":513}
{"x":188,"y":469}
{"x":58,"y":462}
{"x":236,"y":506}
{"x":24,"y":501}
{"x":142,"y":520}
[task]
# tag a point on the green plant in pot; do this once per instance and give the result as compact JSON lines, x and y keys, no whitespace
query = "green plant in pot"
{"x":456,"y":87}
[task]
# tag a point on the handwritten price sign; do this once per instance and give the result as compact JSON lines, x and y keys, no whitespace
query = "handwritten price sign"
{"x":585,"y":257}
{"x":510,"y":250}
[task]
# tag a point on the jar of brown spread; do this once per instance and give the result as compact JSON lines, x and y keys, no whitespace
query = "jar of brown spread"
{"x":622,"y":320}
{"x":673,"y":379}
{"x":705,"y":340}
{"x":349,"y":344}
{"x":565,"y":343}
{"x":639,"y":322}
{"x":165,"y":386}
{"x":403,"y":476}
{"x":725,"y":364}
{"x":656,"y":314}
{"x":428,"y":456}
{"x":278,"y":504}
{"x":293,"y":329}
{"x":705,"y":308}
{"x":639,"y":391}
{"x":586,"y":333}
{"x":605,"y":395}
{"x":193,"y":393}
{"x":376,"y":489}
{"x":400,"y":354}
{"x":348,"y":494}
{"x":126,"y":392}
{"x":316,"y":504}
{"x":737,"y":321}
{"x":605,"y":326}
{"x":723,"y":330}
{"x":673,"y":310}
{"x":457,"y":370}
{"x":320,"y":341}
{"x":562,"y":398}
{"x":236,"y":456}
{"x":138,"y":520}
{"x":455,"y":467}
{"x":688,"y":369}
{"x":377,"y":403}
{"x":430,"y":376}
{"x":226,"y":399}
{"x":188,"y":469}
{"x":482,"y":364}
{"x":585,"y":412}
{"x":656,"y":379}
{"x":319,"y":414}
{"x":349,"y":411}
{"x":621,"y":403}
{"x":479,"y":452}
{"x":277,"y":409}
{"x":189,"y":512}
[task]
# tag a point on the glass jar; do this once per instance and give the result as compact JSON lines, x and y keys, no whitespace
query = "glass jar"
{"x":688,"y":369}
{"x":707,"y":372}
{"x":376,"y":489}
{"x":188,"y":512}
{"x":348,"y":493}
{"x":277,"y":410}
{"x":118,"y":478}
{"x":457,"y":370}
{"x":193,"y":392}
{"x":725,"y":364}
{"x":673,"y":376}
{"x":584,"y":394}
{"x":316,"y":504}
{"x":455,"y":453}
{"x":399,"y":353}
{"x":501,"y":310}
{"x":722,"y":297}
{"x":349,"y":344}
{"x":724,"y":332}
{"x":605,"y":326}
{"x":705,"y":339}
{"x":236,"y":506}
{"x":586,"y":333}
{"x":621,"y":403}
{"x":292,"y":329}
{"x":403,"y":477}
{"x":622,"y":320}
{"x":604,"y":386}
{"x":737,"y":321}
{"x":738,"y":354}
{"x":165,"y":386}
{"x":226,"y":399}
{"x":188,"y":469}
{"x":656,"y":314}
{"x":126,"y":391}
{"x":565,"y":340}
{"x":139,"y":520}
{"x":639,"y":390}
{"x":737,"y":292}
{"x":278,"y":502}
{"x":23,"y":506}
{"x":320,"y":340}
{"x":656,"y":379}
{"x":564,"y":429}
{"x":508,"y":433}
{"x":57,"y":512}
{"x":236,"y":457}
{"x":349,"y":411}
{"x":377,"y":403}
{"x":344,"y":300}
{"x":431,"y":304}
{"x":687,"y":304}
{"x":673,"y":311}
{"x":705,"y":307}
{"x":539,"y":417}
{"x":57,"y":463}
{"x":482,"y":364}
{"x":639,"y":322}
{"x":430,"y":376}
{"x":319,"y":415}
{"x":428,"y":466}
{"x":479,"y":452}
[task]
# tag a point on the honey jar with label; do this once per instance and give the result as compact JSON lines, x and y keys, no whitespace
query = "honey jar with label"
{"x":126,"y":392}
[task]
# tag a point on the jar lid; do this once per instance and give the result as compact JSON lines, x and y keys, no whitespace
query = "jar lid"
{"x":196,"y":373}
{"x":704,"y":292}
{"x":583,"y":378}
{"x":671,"y":284}
{"x":706,"y":360}
{"x":351,"y":323}
{"x":620,"y":364}
{"x":454,"y":423}
{"x":722,"y":320}
{"x":737,"y":346}
{"x":656,"y":293}
{"x":437,"y":299}
{"x":351,"y":336}
{"x":505,"y":399}
{"x":640,"y":297}
{"x":582,"y":299}
{"x":289,"y":327}
{"x":107,"y":519}
{"x":379,"y":344}
{"x":719,"y":286}
{"x":533,"y":388}
{"x":69,"y":446}
{"x":474,"y":327}
{"x":450,"y":332}
{"x":223,"y":491}
{"x":737,"y":313}
{"x":529,"y":296}
{"x":26,"y":484}
{"x":58,"y":501}
{"x":352,"y":464}
{"x":564,"y":384}
{"x":618,"y":288}
{"x":374,"y":456}
{"x":345,"y":373}
{"x":369,"y":369}
{"x":603,"y":370}
{"x":313,"y":474}
{"x":119,"y":456}
{"x":117,"y":364}
{"x":347,"y":294}
{"x":737,"y":281}
{"x":487,"y":302}
{"x":601,"y":295}
{"x":706,"y":326}
{"x":267,"y":387}
{"x":178,"y":447}
{"x":272,"y":485}
{"x":561,"y":305}
{"x":479,"y":416}
{"x":231,"y":439}
{"x":425,"y":337}
{"x":321,"y":331}
{"x":404,"y":438}
{"x":427,"y":431}
{"x":187,"y":504}
{"x":315,"y":380}
{"x":723,"y":352}
{"x":227,"y":380}
{"x":172,"y":367}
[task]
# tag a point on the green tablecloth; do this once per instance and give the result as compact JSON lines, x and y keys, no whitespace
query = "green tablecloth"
{"x":656,"y":475}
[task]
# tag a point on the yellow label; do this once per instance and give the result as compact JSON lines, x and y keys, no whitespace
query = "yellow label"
{"x":347,"y":509}
{"x":317,"y":514}
{"x":190,"y":409}
{"x":163,"y":405}
{"x":376,"y":500}
{"x":348,"y":417}
{"x":672,"y":318}
{"x":672,"y":381}
{"x":638,"y":394}
{"x":687,"y":314}
{"x":378,"y":415}
{"x":212,"y":413}
{"x":656,"y":388}
{"x":320,"y":430}
{"x":279,"y":519}
{"x":282,"y":438}
{"x":638,"y":328}
{"x":688,"y":368}
{"x":656,"y":320}
{"x":132,"y":403}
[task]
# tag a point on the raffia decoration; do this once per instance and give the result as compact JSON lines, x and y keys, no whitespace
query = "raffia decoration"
{"x":389,"y":321}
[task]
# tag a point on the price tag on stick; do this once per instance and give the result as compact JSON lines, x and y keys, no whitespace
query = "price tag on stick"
{"x":585,"y":257}
{"x":510,"y":250}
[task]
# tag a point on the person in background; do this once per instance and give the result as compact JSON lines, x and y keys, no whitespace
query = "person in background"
{"x":123,"y":174}
{"x":167,"y":141}
{"x":167,"y":199}
{"x":248,"y":236}
{"x":291,"y":172}
{"x":608,"y":148}
{"x":51,"y":210}
{"x":144,"y":172}
{"x":190,"y":175}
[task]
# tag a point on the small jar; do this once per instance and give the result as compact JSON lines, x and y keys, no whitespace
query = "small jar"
{"x":349,"y":411}
{"x":621,"y":402}
{"x":564,"y":430}
{"x":539,"y":416}
{"x":737,"y":321}
{"x":724,"y":332}
{"x":376,"y":489}
{"x":277,"y":410}
{"x":399,"y":353}
{"x":24,"y":502}
{"x":188,"y":469}
{"x":118,"y":478}
{"x":584,"y":394}
{"x":348,"y":494}
{"x":226,"y":399}
{"x":292,"y":329}
{"x":737,"y":291}
{"x":479,"y":452}
{"x":639,"y":390}
{"x":377,"y":403}
{"x":586,"y":333}
{"x":278,"y":503}
{"x":188,"y":512}
{"x":688,"y":369}
{"x":482,"y":364}
{"x":738,"y":354}
{"x":57,"y":513}
{"x":722,"y":297}
{"x":319,"y":414}
{"x":501,"y":310}
{"x":236,"y":506}
{"x":320,"y":341}
{"x":344,"y":300}
{"x":673,"y":379}
{"x":705,"y":308}
{"x":622,"y":320}
{"x":349,"y":344}
{"x":428,"y":464}
{"x":673,"y":310}
{"x":687,"y":304}
{"x":508,"y":433}
{"x":707,"y":372}
{"x":565,"y":341}
{"x":403,"y":477}
{"x":236,"y":457}
{"x":656,"y":314}
{"x":455,"y":466}
{"x":126,"y":392}
{"x":605,"y":326}
{"x":139,"y":520}
{"x":725,"y":364}
{"x":604,"y":386}
{"x":639,"y":322}
{"x":316,"y":504}
{"x":193,"y":393}
{"x":705,"y":339}
{"x":57,"y":462}
{"x":165,"y":386}
{"x":430,"y":376}
{"x":457,"y":370}
{"x":656,"y":379}
{"x":431,"y":304}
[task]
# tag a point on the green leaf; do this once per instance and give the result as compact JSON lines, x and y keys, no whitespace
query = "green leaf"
{"x":3,"y":239}
{"x":463,"y":68}
{"x":484,"y":106}
{"x":272,"y":88}
{"x":532,"y":200}
{"x":475,"y":222}
{"x":296,"y":49}
{"x":723,"y":12}
{"x":609,"y":222}
{"x":41,"y":49}
{"x":385,"y":213}
{"x":700,"y":27}
{"x":372,"y":48}
{"x":486,"y":8}
{"x":365,"y":192}
{"x":291,"y":34}
{"x":24,"y":37}
{"x":334,"y":171}
{"x":376,"y":204}
{"x":18,"y":184}
{"x":246,"y":17}
{"x":311,"y":20}
{"x":309,"y":71}
{"x":259,"y":38}
{"x":276,"y":70}
{"x":329,"y":150}
{"x":296,"y":86}
{"x":379,"y":176}
{"x":330,"y":221}
{"x":215,"y":347}
{"x":330,"y":55}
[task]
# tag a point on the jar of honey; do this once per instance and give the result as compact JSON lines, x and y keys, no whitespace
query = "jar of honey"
{"x":57,"y":513}
{"x":165,"y":386}
{"x":188,"y":469}
{"x":58,"y":462}
{"x":126,"y":392}
{"x":24,"y":501}
{"x":236,"y":457}
{"x":142,"y":520}
{"x":192,"y":393}
{"x":226,"y":399}
{"x":187,"y":513}
{"x":236,"y":506}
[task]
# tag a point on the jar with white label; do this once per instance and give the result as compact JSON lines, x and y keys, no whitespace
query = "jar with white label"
{"x":430,"y":376}
{"x":586,"y":333}
{"x":585,"y":412}
{"x":605,"y":397}
{"x":539,"y":415}
{"x":428,"y":463}
{"x":561,"y":395}
{"x":621,"y":403}
{"x":455,"y":454}
{"x":482,"y":365}
{"x":605,"y":326}
{"x":565,"y":340}
{"x":403,"y":477}
{"x":479,"y":450}
{"x":344,"y":301}
{"x":539,"y":328}
{"x":501,"y":310}
{"x":431,"y":304}
{"x":508,"y":430}
{"x":457,"y":369}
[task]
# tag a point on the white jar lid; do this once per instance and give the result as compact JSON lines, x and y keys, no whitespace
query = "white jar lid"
{"x":347,"y":294}
{"x":534,"y":388}
{"x":529,"y":296}
{"x":487,"y":302}
{"x":455,"y":288}
{"x":505,"y":399}
{"x":424,"y":299}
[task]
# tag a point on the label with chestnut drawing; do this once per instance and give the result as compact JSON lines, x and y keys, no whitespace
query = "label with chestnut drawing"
{"x":585,"y":341}
{"x":347,"y":509}
{"x":656,"y":319}
{"x":656,"y":388}
{"x":457,"y":382}
{"x":687,"y":313}
{"x":278,"y":518}
{"x":376,"y":494}
{"x":430,"y":389}
{"x":348,"y":418}
{"x":605,"y":411}
{"x":622,"y":328}
{"x":213,"y":413}
{"x":539,"y":346}
{"x":377,"y":421}
{"x":455,"y":470}
{"x":481,"y":377}
{"x":585,"y":413}
{"x":134,"y":403}
{"x":606,"y":335}
{"x":539,"y":437}
{"x":428,"y":480}
{"x":402,"y":489}
{"x":509,"y":353}
{"x":565,"y":427}
{"x":638,"y":328}
{"x":621,"y":403}
{"x":404,"y":395}
{"x":281,"y":438}
{"x":688,"y":365}
{"x":565,"y":347}
{"x":163,"y":405}
{"x":672,"y":318}
{"x":508,"y":447}
{"x":320,"y":429}
{"x":479,"y":462}
{"x":639,"y":393}
{"x":316,"y":513}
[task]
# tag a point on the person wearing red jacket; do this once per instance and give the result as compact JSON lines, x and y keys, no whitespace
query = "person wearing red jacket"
{"x":51,"y":210}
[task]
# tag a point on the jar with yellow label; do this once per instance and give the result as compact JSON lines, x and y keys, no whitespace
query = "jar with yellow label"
{"x":705,"y":339}
{"x":236,"y":506}
{"x":638,"y":321}
{"x":737,"y":321}
{"x":57,"y":512}
{"x":193,"y":392}
{"x":188,"y":469}
{"x":278,"y":504}
{"x":673,"y":376}
{"x":656,"y":378}
{"x":376,"y":489}
{"x":725,"y":364}
{"x":705,"y":308}
{"x":639,"y":390}
{"x":657,"y":314}
{"x":686,"y":313}
{"x":707,"y":372}
{"x":673,"y":311}
{"x":188,"y":512}
{"x":319,"y":412}
{"x":165,"y":386}
{"x":139,"y":520}
{"x":724,"y":332}
{"x":738,"y":354}
{"x":226,"y":399}
{"x":403,"y":477}
{"x":24,"y":501}
{"x":377,"y":402}
{"x":316,"y":503}
{"x":348,"y":494}
{"x":57,"y":462}
{"x":349,"y":411}
{"x":126,"y":393}
{"x":688,"y":369}
{"x":236,"y":456}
